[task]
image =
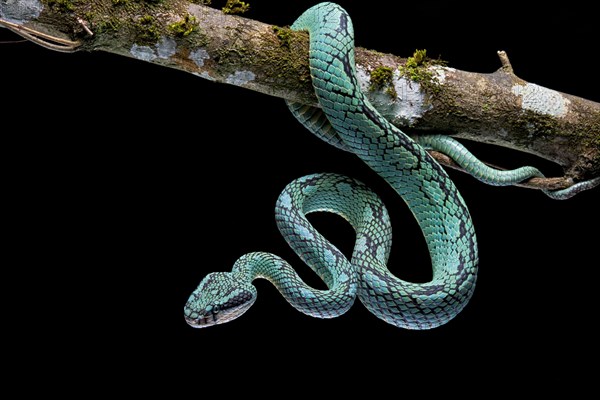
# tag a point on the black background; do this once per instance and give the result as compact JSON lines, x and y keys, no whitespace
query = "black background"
{"x":131,"y":182}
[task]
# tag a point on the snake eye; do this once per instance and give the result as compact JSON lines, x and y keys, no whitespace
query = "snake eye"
{"x":216,"y":309}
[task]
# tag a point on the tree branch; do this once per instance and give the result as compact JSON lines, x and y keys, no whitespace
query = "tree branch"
{"x":416,"y":94}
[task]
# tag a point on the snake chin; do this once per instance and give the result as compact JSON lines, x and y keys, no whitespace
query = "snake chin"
{"x":221,"y":297}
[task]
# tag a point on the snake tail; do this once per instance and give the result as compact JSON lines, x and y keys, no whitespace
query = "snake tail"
{"x":492,"y":176}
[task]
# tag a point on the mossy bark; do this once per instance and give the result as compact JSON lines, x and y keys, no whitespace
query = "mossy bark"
{"x":497,"y":108}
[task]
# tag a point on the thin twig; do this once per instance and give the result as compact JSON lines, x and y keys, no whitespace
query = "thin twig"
{"x":85,"y":26}
{"x":506,"y":65}
{"x":13,"y":41}
{"x":41,"y":38}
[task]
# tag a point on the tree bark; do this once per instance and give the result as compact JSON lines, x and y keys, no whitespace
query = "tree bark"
{"x":416,"y":94}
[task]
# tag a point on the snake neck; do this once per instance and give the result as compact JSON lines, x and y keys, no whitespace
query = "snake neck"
{"x":261,"y":265}
{"x":314,"y":302}
{"x":257,"y":265}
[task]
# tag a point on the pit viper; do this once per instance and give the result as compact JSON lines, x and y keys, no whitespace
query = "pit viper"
{"x":348,"y":121}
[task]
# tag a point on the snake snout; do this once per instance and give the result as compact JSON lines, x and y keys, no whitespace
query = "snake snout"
{"x":198,"y":322}
{"x":201,"y":316}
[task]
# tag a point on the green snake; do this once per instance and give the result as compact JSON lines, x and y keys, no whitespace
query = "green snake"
{"x":348,"y":121}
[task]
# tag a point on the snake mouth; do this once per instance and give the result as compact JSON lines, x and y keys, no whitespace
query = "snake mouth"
{"x":201,"y":321}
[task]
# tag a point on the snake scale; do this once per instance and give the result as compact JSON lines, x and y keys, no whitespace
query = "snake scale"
{"x":348,"y":121}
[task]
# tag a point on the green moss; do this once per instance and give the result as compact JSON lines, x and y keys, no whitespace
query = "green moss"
{"x":382,"y":78}
{"x":235,"y":7}
{"x":285,"y":64}
{"x":534,"y":126}
{"x":141,"y":2}
{"x":593,"y":135}
{"x":61,"y":5}
{"x":284,"y":35}
{"x":147,"y":30}
{"x":391,"y":91}
{"x":141,"y":21}
{"x":184,"y":27}
{"x":112,"y":24}
{"x":418,"y":58}
{"x":417,"y":70}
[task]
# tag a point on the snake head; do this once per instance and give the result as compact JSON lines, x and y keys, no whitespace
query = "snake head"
{"x":220,"y":297}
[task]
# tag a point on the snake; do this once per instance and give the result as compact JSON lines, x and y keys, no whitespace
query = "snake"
{"x":347,"y":120}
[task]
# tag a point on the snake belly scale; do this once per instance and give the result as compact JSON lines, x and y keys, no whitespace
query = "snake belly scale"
{"x":349,"y":121}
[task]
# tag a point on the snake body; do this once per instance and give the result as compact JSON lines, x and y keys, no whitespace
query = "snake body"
{"x":405,"y":165}
{"x":348,"y":121}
